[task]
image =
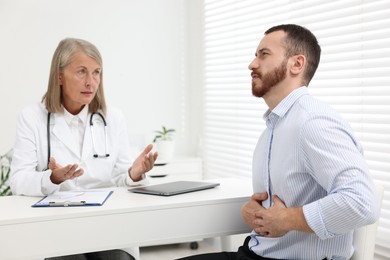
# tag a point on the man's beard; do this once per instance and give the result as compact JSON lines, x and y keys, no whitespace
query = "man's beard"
{"x":269,"y":79}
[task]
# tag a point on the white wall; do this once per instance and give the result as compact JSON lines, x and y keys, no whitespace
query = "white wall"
{"x":145,"y":46}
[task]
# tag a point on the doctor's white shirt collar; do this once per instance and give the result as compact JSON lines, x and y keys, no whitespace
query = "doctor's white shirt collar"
{"x":83,"y":115}
{"x":77,"y":124}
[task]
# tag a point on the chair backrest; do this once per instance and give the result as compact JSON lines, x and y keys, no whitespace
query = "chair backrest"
{"x":364,"y":237}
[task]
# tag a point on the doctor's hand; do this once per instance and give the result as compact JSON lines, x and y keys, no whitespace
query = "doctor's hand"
{"x":249,"y":209}
{"x":60,"y":174}
{"x":143,"y":163}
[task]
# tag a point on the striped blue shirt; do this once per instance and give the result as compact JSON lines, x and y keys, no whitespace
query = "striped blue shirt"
{"x":309,"y":156}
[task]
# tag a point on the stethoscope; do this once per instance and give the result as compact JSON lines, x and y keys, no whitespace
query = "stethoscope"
{"x":95,"y":154}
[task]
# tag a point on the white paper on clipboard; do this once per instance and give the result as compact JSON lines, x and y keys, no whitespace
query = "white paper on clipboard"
{"x":74,"y":198}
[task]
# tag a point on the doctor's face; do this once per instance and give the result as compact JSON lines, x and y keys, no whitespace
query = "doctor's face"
{"x":80,"y":80}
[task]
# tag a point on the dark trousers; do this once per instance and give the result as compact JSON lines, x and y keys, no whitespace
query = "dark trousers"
{"x":116,"y":254}
{"x":243,"y":253}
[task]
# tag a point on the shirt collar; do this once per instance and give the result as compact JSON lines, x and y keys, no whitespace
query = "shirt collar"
{"x":281,"y":109}
{"x":83,"y":115}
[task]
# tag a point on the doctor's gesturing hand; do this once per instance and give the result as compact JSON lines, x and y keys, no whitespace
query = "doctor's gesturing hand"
{"x":143,"y":163}
{"x":60,"y":174}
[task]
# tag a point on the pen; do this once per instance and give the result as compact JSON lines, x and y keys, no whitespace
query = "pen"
{"x":66,"y":203}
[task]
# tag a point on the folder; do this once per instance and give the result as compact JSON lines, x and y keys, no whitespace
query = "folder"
{"x":74,"y":198}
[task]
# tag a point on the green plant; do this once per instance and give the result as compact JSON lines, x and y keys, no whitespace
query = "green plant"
{"x":165,"y":134}
{"x":5,"y":168}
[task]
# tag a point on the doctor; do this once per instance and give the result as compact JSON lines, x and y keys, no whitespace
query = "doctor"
{"x":72,"y":140}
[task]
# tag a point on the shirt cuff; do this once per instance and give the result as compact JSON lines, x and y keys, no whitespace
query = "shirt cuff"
{"x":315,"y":220}
{"x":131,"y":183}
{"x":47,"y":186}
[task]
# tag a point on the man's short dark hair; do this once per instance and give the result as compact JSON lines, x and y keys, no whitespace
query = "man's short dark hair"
{"x":300,"y":40}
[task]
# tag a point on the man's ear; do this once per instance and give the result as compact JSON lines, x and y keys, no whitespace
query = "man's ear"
{"x":298,"y":63}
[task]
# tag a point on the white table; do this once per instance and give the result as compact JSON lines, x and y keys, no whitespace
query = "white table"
{"x":126,"y":219}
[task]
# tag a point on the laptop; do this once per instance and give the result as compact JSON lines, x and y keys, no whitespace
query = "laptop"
{"x":174,"y":188}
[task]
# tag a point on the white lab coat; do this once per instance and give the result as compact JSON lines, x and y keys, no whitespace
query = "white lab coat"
{"x":29,"y":174}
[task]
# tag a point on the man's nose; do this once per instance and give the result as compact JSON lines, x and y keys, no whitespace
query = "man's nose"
{"x":253,"y":65}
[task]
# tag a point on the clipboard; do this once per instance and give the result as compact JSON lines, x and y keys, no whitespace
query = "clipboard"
{"x":74,"y":198}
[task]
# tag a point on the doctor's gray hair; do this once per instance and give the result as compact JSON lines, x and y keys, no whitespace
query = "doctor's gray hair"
{"x":61,"y":58}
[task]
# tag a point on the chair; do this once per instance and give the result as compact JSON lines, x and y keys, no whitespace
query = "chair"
{"x":364,"y":237}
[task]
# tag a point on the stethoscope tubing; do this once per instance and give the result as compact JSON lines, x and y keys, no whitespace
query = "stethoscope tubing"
{"x":95,"y":155}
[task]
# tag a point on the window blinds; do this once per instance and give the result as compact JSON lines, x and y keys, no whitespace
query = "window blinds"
{"x":353,"y":77}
